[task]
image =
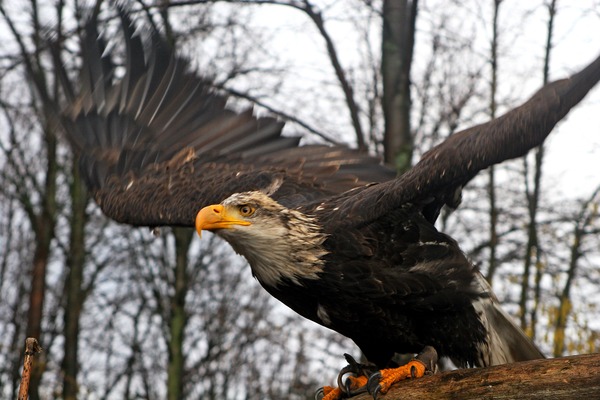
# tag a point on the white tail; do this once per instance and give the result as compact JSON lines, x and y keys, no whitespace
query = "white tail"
{"x":506,"y":342}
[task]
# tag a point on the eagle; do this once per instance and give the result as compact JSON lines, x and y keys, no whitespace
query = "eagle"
{"x":327,"y":230}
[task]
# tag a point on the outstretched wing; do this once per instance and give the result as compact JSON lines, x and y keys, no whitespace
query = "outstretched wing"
{"x":159,"y":143}
{"x":437,"y":179}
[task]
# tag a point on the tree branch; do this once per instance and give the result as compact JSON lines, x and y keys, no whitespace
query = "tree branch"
{"x":317,"y":18}
{"x":575,"y":377}
{"x":32,"y":348}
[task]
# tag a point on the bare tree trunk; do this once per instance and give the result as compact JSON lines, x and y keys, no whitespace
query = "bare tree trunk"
{"x":492,"y":263}
{"x":42,"y":220}
{"x":178,"y":317}
{"x":398,"y":38}
{"x":533,"y":251}
{"x":44,"y":235}
{"x":74,"y":285}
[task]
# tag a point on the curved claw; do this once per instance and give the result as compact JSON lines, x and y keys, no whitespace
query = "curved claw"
{"x":381,"y":381}
{"x":373,"y":386}
{"x":355,"y":383}
{"x":413,"y":372}
{"x":348,"y":369}
{"x":319,"y":394}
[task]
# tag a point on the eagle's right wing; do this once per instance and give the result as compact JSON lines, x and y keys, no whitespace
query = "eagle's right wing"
{"x":436,"y":180}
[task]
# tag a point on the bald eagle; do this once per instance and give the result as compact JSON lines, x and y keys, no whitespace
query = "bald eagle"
{"x":326,"y":230}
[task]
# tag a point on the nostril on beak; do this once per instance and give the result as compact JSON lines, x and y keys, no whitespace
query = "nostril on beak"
{"x":216,"y":210}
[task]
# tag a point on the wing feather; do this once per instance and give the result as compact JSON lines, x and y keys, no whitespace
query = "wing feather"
{"x":445,"y":169}
{"x":159,"y":144}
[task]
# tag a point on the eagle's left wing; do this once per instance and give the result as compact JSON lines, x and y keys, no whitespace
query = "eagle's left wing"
{"x":159,"y":143}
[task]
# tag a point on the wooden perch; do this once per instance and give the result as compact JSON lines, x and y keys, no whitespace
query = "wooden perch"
{"x":32,"y":347}
{"x":575,"y":377}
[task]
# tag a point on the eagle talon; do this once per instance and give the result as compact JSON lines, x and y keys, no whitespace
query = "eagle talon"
{"x":376,"y":392}
{"x":373,"y":386}
{"x":381,"y":381}
{"x":320,"y":393}
{"x":356,"y":382}
{"x":355,"y":385}
{"x":351,"y":381}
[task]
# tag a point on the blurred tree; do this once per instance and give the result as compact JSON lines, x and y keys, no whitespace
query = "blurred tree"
{"x":534,"y":250}
{"x":397,"y":43}
{"x":491,"y":191}
{"x":585,"y":224}
{"x":35,"y":188}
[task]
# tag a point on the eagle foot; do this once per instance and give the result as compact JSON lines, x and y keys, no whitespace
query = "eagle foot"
{"x":381,"y":381}
{"x":352,"y":380}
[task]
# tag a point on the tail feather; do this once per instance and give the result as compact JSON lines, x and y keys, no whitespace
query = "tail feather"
{"x":506,"y":342}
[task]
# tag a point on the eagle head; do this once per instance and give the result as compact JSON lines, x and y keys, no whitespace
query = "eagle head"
{"x":278,"y":242}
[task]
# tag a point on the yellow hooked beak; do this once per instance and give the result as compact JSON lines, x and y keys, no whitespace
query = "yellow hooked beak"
{"x":217,"y":216}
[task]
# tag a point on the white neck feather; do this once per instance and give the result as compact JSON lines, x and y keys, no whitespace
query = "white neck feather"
{"x":277,"y":252}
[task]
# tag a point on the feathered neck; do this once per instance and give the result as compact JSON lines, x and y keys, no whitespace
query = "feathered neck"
{"x":285,"y":245}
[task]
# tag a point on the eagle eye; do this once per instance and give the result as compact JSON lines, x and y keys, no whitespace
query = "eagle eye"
{"x":246,"y":210}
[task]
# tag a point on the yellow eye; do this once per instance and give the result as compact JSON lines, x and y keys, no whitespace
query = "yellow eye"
{"x":246,"y":210}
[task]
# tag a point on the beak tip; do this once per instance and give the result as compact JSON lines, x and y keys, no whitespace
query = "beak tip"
{"x":199,"y":225}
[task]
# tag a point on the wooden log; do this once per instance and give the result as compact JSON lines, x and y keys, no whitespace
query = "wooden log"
{"x":574,"y":377}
